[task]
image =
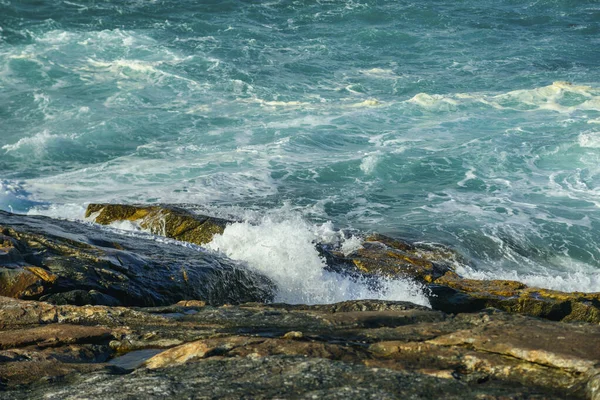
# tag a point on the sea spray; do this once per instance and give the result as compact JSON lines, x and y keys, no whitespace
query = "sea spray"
{"x":285,"y":252}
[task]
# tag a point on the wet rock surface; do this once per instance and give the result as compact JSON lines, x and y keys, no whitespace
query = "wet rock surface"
{"x":380,"y":255}
{"x":456,"y":294}
{"x":67,"y":262}
{"x":169,"y":221}
{"x":88,"y":313}
{"x":357,"y":349}
{"x":433,"y":267}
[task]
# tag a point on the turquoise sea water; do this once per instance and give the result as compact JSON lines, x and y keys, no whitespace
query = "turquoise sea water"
{"x":470,"y":123}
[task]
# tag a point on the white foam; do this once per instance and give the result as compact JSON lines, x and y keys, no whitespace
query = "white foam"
{"x":366,"y":103}
{"x":469,"y":175}
{"x":560,"y":96}
{"x":579,"y":278}
{"x":14,"y":197}
{"x":384,"y":73}
{"x":591,"y":139}
{"x":275,"y":103}
{"x":37,"y":143}
{"x":434,"y":101}
{"x":285,"y":252}
{"x":351,"y":244}
{"x":65,"y":211}
{"x":369,"y":163}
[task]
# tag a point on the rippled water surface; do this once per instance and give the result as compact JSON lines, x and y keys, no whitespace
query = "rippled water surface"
{"x":470,"y":123}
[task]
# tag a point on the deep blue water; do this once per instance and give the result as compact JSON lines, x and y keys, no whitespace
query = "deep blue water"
{"x":471,"y":123}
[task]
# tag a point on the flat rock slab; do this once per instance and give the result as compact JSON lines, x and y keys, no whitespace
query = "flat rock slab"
{"x":277,"y":377}
{"x":53,"y":335}
{"x":576,"y":349}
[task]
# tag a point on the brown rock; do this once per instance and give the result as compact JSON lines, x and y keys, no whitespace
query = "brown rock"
{"x":570,"y":347}
{"x":20,"y":283}
{"x":293,"y":335}
{"x":382,"y":255}
{"x":516,"y":297}
{"x":178,"y":355}
{"x":168,"y":221}
{"x":191,"y":303}
{"x":484,"y":351}
{"x":54,"y":335}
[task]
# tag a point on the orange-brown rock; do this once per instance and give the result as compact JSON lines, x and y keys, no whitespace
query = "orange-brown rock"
{"x":53,"y":335}
{"x":516,"y":297}
{"x":490,"y":353}
{"x":382,"y":255}
{"x":168,"y":221}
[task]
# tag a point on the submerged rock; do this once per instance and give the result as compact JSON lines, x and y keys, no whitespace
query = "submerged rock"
{"x":358,"y":349}
{"x":169,"y":221}
{"x":71,"y":263}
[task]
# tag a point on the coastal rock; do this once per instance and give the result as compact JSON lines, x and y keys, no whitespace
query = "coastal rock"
{"x":66,"y":262}
{"x":356,"y":348}
{"x":432,"y":266}
{"x":168,"y":221}
{"x":455,"y":294}
{"x":381,"y":255}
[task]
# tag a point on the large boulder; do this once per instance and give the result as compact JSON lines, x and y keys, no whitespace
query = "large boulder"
{"x":72,"y":263}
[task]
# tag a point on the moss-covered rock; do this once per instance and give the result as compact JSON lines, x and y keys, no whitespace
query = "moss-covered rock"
{"x":168,"y":221}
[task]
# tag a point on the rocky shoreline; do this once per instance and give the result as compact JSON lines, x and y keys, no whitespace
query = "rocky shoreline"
{"x":89,"y":313}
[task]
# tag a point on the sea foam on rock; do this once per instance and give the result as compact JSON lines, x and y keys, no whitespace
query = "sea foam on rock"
{"x":372,"y":265}
{"x":359,"y":348}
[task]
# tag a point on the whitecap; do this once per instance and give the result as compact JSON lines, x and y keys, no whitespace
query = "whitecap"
{"x":591,"y":139}
{"x":37,"y":144}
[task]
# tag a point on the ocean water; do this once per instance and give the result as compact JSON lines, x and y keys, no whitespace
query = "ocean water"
{"x":475,"y":124}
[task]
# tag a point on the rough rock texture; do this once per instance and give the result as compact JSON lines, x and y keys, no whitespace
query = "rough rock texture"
{"x":457,"y":294}
{"x":71,"y":263}
{"x":432,"y":266}
{"x":168,"y":221}
{"x":357,"y":349}
{"x":382,"y":255}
